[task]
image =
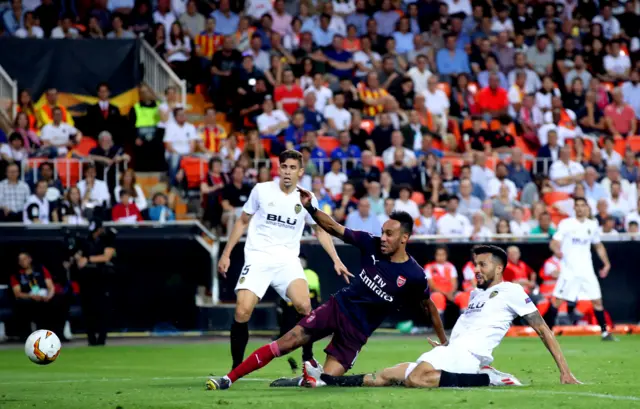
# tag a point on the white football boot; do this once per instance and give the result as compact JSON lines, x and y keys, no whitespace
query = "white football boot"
{"x":497,"y":378}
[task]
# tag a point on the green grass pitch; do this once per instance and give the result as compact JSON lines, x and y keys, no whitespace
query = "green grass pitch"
{"x":172,"y":374}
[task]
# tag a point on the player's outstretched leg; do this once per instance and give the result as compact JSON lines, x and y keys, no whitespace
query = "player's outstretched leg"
{"x":387,"y":377}
{"x":261,"y":357}
{"x":239,"y":337}
{"x":298,"y":292}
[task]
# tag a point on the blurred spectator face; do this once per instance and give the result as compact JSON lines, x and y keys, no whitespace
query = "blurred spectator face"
{"x":348,"y":190}
{"x":613,"y":173}
{"x":90,"y":173}
{"x":288,"y":77}
{"x":337,"y":41}
{"x":237,"y":175}
{"x":633,"y":227}
{"x":181,"y":116}
{"x":224,"y":5}
{"x":579,"y":191}
{"x":503,"y":192}
{"x":344,"y":139}
{"x":261,"y":86}
{"x":565,"y":154}
{"x":494,"y":82}
{"x":210,"y":116}
{"x":516,"y":156}
{"x":513,"y":254}
{"x":298,"y":120}
{"x":229,"y":43}
{"x":542,"y":43}
{"x":385,"y":120}
{"x":590,"y":176}
{"x":447,"y":170}
{"x":501,"y":171}
{"x":116,"y":23}
{"x":485,"y":46}
{"x":364,"y":207}
{"x":418,"y":42}
{"x":503,"y":38}
{"x":518,"y":214}
{"x":46,"y":171}
{"x":432,"y":83}
{"x":13,"y":172}
{"x":427,"y":210}
{"x":552,"y":137}
{"x":374,"y":190}
{"x":431,"y":161}
{"x":481,"y":159}
{"x":609,"y":224}
{"x":159,"y":200}
{"x":635,"y":77}
{"x":397,"y":139}
{"x":545,"y":221}
{"x":465,"y":188}
{"x":367,"y":158}
{"x":520,"y":60}
{"x":451,"y":42}
{"x":210,"y":25}
{"x":256,"y":43}
{"x":324,"y":22}
{"x":41,"y":189}
{"x":171,"y":94}
{"x":57,"y":116}
{"x":456,"y":25}
{"x":578,"y":62}
{"x":247,"y":64}
{"x":388,"y":206}
{"x":335,"y":166}
{"x":24,"y":260}
{"x":106,"y":140}
{"x":385,"y":180}
{"x":615,"y":190}
{"x":452,"y":204}
{"x":405,"y":194}
{"x":317,"y":184}
{"x":338,"y":100}
{"x":267,"y":105}
{"x":124,"y":196}
{"x":398,"y":157}
{"x":310,"y":139}
{"x":103,"y":93}
{"x":602,"y":206}
{"x":629,"y":158}
{"x":503,"y":227}
{"x":372,"y":80}
{"x":310,"y":101}
{"x":441,"y":256}
{"x":16,"y":143}
{"x":52,"y":97}
{"x":617,"y":96}
{"x":477,"y":220}
{"x":465,"y":173}
{"x":388,"y":65}
{"x":427,"y":140}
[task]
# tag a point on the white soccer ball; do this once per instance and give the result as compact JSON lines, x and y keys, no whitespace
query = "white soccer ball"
{"x":42,"y":347}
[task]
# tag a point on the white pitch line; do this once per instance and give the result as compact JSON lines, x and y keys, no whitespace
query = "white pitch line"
{"x":515,"y":390}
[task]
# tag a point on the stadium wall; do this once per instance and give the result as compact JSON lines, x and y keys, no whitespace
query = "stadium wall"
{"x":158,"y":270}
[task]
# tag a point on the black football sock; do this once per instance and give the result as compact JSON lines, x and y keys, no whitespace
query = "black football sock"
{"x":239,"y":339}
{"x":571,"y":307}
{"x":550,"y":316}
{"x":346,"y":381}
{"x":601,"y":320}
{"x":307,"y":349}
{"x":462,"y":380}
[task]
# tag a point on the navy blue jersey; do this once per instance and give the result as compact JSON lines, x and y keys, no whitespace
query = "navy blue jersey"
{"x":381,"y":287}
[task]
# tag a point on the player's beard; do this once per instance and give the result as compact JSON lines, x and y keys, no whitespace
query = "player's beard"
{"x":486,"y":283}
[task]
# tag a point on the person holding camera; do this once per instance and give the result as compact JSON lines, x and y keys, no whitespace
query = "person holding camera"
{"x":93,"y":261}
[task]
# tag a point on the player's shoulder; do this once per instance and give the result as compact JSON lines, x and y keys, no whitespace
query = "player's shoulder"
{"x":415,"y":269}
{"x":511,"y":289}
{"x":565,"y":223}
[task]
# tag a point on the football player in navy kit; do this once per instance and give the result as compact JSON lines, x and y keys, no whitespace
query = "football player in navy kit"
{"x":389,"y":278}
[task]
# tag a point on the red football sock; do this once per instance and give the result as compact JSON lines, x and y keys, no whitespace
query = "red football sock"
{"x":258,"y":358}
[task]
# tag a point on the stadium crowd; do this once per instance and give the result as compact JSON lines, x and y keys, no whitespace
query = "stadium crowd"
{"x":476,"y":117}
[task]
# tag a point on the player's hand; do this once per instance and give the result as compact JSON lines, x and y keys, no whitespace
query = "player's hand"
{"x":604,"y":271}
{"x":341,"y":269}
{"x":436,"y":343}
{"x":223,"y":265}
{"x":305,"y":197}
{"x":569,"y":379}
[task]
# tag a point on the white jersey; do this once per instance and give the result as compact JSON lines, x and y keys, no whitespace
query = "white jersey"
{"x":276,"y":226}
{"x":488,"y":318}
{"x":576,"y":238}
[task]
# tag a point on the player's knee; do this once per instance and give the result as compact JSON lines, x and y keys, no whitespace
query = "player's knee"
{"x":243,"y":313}
{"x":597,"y":305}
{"x":423,"y":379}
{"x":304,"y":308}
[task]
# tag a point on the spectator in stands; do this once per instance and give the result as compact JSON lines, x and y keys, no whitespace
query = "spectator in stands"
{"x":544,"y":225}
{"x":613,"y":175}
{"x":517,"y":271}
{"x":33,"y":290}
{"x":14,"y":194}
{"x":451,"y":60}
{"x":540,"y":57}
{"x":72,"y":209}
{"x":295,"y":132}
{"x":288,"y":96}
{"x":59,"y":137}
{"x":518,"y":225}
{"x":375,"y":198}
{"x":212,"y":135}
{"x":363,"y":219}
{"x":36,"y":208}
{"x":145,"y":118}
{"x":549,"y":152}
{"x":104,"y":116}
{"x":629,"y":169}
{"x":436,"y":191}
{"x":223,"y":64}
{"x":31,"y":28}
{"x":631,"y":90}
{"x":211,"y":191}
{"x":501,"y":179}
{"x":45,"y":113}
{"x":192,"y":22}
{"x":54,"y":185}
{"x":338,"y":118}
{"x":479,"y":230}
{"x":14,"y":151}
{"x":180,"y":140}
{"x":126,"y":211}
{"x":48,"y":14}
{"x":453,"y":223}
{"x":397,"y":142}
{"x":590,"y":117}
{"x":468,"y":204}
{"x":579,"y":70}
{"x":94,"y":192}
{"x":118,"y":29}
{"x":502,"y":227}
{"x":593,"y":189}
{"x":480,"y":173}
{"x":136,"y":194}
{"x":179,"y":49}
{"x":426,"y":223}
{"x":476,"y":138}
{"x":437,"y":104}
{"x":271,"y":122}
{"x":27,"y":107}
{"x":206,"y":42}
{"x":632,"y":217}
{"x":620,"y":116}
{"x":366,"y":172}
{"x":405,"y":202}
{"x":346,"y":150}
{"x":346,"y":202}
{"x":617,"y":205}
{"x":609,"y":155}
{"x":159,"y":211}
{"x":234,"y":196}
{"x":325,"y":203}
{"x":334,"y":179}
{"x":65,"y":29}
{"x":399,"y":172}
{"x":503,"y":204}
{"x":517,"y":172}
{"x":565,"y":173}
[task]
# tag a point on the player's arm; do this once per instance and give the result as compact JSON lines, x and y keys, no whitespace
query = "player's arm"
{"x":536,"y":322}
{"x":431,"y":310}
{"x":555,"y":246}
{"x":327,"y":244}
{"x":322,"y":219}
{"x":238,"y":230}
{"x":604,"y":257}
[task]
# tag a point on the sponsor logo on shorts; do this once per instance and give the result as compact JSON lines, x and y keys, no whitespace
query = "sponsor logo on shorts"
{"x":297,"y":208}
{"x":400,"y":281}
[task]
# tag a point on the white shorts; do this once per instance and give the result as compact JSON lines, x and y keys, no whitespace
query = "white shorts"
{"x":448,"y":358}
{"x":577,"y":287}
{"x":259,"y":276}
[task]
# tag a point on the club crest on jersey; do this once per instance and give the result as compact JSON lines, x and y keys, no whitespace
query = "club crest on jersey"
{"x":493,"y":294}
{"x":298,"y":208}
{"x":400,"y":281}
{"x":241,"y":280}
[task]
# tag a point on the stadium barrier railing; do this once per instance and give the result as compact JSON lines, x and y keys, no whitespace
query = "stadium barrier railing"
{"x":68,"y":171}
{"x":158,"y":74}
{"x":8,"y":95}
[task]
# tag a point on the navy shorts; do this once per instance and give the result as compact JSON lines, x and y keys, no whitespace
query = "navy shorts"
{"x":347,"y":340}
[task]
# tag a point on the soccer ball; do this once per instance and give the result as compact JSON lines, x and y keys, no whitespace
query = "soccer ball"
{"x":42,"y":347}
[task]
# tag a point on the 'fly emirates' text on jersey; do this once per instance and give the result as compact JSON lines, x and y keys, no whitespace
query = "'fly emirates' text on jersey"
{"x":381,"y":287}
{"x":488,"y":318}
{"x":576,"y":238}
{"x":277,"y":224}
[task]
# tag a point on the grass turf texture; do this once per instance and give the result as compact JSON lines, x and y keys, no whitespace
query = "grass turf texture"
{"x":172,"y":376}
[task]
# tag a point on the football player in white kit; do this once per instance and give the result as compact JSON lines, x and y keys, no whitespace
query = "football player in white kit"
{"x":275,"y":219}
{"x":464,"y":360}
{"x":572,"y":245}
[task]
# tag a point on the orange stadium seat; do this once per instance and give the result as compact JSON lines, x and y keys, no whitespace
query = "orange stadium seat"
{"x":275,"y":165}
{"x":445,"y":87}
{"x":553,"y":197}
{"x":240,"y":141}
{"x":195,"y":170}
{"x":455,"y":161}
{"x":85,"y":146}
{"x":367,"y":125}
{"x":492,"y":161}
{"x":634,"y":143}
{"x":266,"y":144}
{"x":68,"y":170}
{"x":328,"y":143}
{"x":418,"y":197}
{"x":556,"y":215}
{"x":379,"y":163}
{"x":608,"y":86}
{"x":473,"y":88}
{"x":619,"y":144}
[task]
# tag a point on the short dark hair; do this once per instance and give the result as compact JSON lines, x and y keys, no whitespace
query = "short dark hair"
{"x":441,"y":247}
{"x":102,"y":84}
{"x":634,"y":223}
{"x":15,"y":136}
{"x":580,"y":199}
{"x":405,"y":220}
{"x":290,"y":154}
{"x":498,"y":254}
{"x":125,"y":192}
